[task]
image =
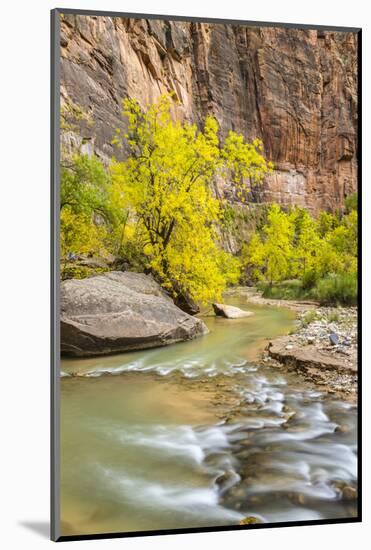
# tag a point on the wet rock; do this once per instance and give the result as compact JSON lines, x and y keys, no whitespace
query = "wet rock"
{"x":289,"y":414}
{"x":334,"y":339}
{"x":226,"y":480}
{"x":230,"y":312}
{"x":343,"y":429}
{"x":64,"y":374}
{"x":349,"y":493}
{"x":116,"y":312}
{"x":305,"y":358}
{"x":250,"y":520}
{"x":298,"y":498}
{"x":237,"y":492}
{"x":244,"y":455}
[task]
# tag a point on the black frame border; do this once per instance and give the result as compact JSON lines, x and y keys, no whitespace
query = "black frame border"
{"x":55,"y":274}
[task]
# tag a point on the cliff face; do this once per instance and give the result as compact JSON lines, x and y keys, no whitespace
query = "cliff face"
{"x":295,"y":89}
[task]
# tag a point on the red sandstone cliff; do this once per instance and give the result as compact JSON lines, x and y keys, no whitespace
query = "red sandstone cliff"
{"x":296,"y":89}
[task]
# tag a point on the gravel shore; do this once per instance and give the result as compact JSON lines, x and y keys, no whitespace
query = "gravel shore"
{"x":323,"y":346}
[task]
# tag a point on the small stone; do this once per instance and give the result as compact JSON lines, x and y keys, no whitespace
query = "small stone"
{"x":226,"y":480}
{"x":342,"y":429}
{"x":298,"y":498}
{"x":230,"y":312}
{"x":289,"y":346}
{"x":334,"y":339}
{"x":288,"y":415}
{"x":237,"y":492}
{"x":249,"y":520}
{"x":349,"y":493}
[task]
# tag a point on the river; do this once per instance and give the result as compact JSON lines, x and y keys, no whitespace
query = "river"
{"x":201,"y":434}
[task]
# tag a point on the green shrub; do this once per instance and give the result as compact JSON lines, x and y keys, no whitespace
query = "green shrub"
{"x":287,"y":290}
{"x":339,"y":289}
{"x":351,"y":202}
{"x":309,"y":279}
{"x":295,"y":245}
{"x":71,"y":271}
{"x":335,"y":289}
{"x":309,"y":317}
{"x":333,"y":317}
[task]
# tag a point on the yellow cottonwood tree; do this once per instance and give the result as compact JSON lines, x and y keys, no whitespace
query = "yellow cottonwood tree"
{"x":320,"y":253}
{"x":308,"y":242}
{"x":167,"y":182}
{"x":278,"y":244}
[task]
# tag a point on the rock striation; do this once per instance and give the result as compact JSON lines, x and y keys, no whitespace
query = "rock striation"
{"x":117,"y":312}
{"x":295,"y":89}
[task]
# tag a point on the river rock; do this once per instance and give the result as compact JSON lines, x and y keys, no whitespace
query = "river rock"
{"x":350,"y":493}
{"x":116,"y":312}
{"x":250,"y":520}
{"x":305,"y":358}
{"x":230,"y":312}
{"x":227,"y":480}
{"x":334,"y":339}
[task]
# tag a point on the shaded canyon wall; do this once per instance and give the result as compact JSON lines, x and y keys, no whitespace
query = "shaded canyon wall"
{"x":295,"y":89}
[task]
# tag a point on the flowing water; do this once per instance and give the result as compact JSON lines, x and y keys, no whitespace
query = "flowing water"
{"x":200,"y":434}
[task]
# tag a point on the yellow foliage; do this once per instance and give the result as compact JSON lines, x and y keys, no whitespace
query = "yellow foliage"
{"x":78,"y":234}
{"x":167,"y":182}
{"x":295,"y":245}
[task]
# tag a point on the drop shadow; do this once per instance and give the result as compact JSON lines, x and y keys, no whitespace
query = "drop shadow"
{"x":41,"y":528}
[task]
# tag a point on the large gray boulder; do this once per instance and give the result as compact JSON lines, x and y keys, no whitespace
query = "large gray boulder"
{"x":116,"y":312}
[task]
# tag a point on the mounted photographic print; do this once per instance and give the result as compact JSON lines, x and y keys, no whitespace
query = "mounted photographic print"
{"x":205,"y":274}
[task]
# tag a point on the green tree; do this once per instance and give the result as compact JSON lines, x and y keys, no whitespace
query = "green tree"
{"x":343,"y":240}
{"x":92,"y":213}
{"x":167,"y":181}
{"x":307,"y":244}
{"x":278,"y":244}
{"x":253,"y":258}
{"x":351,"y":202}
{"x":321,"y":253}
{"x":84,"y":185}
{"x":327,"y":222}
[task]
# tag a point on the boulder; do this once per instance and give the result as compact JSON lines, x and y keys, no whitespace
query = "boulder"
{"x":230,"y":312}
{"x":116,"y":312}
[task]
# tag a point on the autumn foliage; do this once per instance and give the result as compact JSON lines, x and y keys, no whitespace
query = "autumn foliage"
{"x":167,"y":181}
{"x":158,"y":210}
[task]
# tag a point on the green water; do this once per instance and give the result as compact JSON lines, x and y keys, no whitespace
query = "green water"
{"x":144,"y":444}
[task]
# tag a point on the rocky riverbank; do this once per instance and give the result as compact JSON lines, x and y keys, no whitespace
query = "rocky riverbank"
{"x":323,"y":348}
